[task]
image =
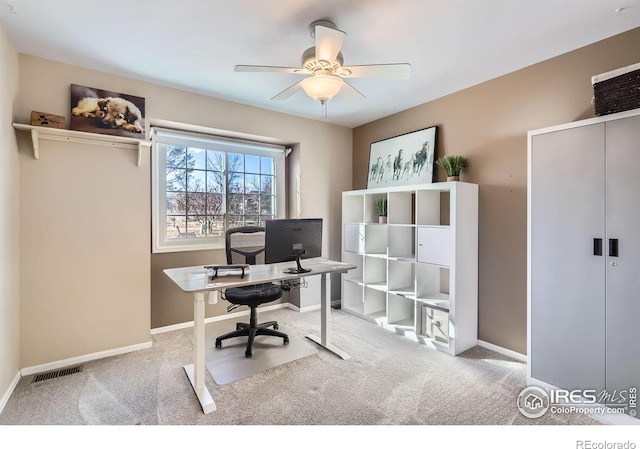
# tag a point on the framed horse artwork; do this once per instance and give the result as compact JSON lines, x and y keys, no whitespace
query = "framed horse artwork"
{"x":403,"y":160}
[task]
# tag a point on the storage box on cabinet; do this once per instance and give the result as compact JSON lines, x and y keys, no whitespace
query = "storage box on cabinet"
{"x":435,"y":324}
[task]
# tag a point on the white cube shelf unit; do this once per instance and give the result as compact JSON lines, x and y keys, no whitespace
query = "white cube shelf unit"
{"x":418,"y":273}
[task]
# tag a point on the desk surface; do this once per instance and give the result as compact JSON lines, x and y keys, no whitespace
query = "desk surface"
{"x":194,"y":279}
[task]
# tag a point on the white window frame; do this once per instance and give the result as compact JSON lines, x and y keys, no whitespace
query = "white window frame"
{"x":161,"y":136}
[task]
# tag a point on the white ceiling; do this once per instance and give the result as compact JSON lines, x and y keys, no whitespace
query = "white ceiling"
{"x":195,"y":44}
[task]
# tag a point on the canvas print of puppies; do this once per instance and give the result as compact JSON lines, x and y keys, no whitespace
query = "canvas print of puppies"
{"x":105,"y":112}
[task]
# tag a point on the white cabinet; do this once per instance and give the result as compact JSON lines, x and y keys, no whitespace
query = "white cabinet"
{"x":584,"y":254}
{"x":418,"y":273}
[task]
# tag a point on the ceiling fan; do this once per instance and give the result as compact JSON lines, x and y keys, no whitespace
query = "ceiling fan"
{"x":323,"y":64}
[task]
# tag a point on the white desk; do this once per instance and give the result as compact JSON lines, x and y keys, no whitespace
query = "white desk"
{"x":196,"y":281}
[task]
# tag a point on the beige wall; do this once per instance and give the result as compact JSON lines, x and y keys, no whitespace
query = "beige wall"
{"x":489,"y":124}
{"x":319,"y":146}
{"x":9,"y":224}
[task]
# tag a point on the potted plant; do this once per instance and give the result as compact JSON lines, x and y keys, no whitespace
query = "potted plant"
{"x":381,"y":206}
{"x":453,"y":165}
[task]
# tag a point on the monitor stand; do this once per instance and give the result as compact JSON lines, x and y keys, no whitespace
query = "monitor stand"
{"x":298,"y":269}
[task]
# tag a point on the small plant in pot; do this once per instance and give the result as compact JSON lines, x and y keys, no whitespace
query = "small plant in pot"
{"x":453,"y":165}
{"x":381,"y":207}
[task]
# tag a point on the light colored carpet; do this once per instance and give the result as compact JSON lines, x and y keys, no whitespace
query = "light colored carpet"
{"x":389,"y":380}
{"x":229,"y":363}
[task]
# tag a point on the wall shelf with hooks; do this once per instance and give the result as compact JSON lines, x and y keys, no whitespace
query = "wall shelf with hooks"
{"x":66,"y":135}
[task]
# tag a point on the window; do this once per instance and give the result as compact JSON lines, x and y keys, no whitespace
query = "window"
{"x":204,"y":185}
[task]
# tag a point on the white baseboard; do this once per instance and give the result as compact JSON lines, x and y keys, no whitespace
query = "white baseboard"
{"x":7,"y":394}
{"x":504,"y":351}
{"x":83,"y":358}
{"x":213,"y":319}
{"x":304,"y":309}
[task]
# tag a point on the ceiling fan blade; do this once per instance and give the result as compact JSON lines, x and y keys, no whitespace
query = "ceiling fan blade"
{"x":288,"y":91}
{"x":388,"y":71}
{"x":267,"y":68}
{"x":350,"y":93}
{"x":328,"y":43}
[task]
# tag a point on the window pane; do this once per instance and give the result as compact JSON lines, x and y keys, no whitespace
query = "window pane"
{"x":266,"y":165}
{"x":267,"y":185}
{"x":235,"y":221}
{"x":215,"y":160}
{"x":196,"y":226}
{"x":196,"y":203}
{"x":267,"y":205}
{"x":236,"y":162}
{"x":215,"y":181}
{"x":196,"y":181}
{"x":251,"y":220}
{"x":176,"y":180}
{"x":251,"y":164}
{"x":175,"y":156}
{"x":236,"y":205}
{"x":252,"y":183}
{"x":215,"y":204}
{"x":176,"y":227}
{"x":252,"y":204}
{"x":176,"y":203}
{"x":236,"y":183}
{"x":197,"y":158}
{"x":216,"y":226}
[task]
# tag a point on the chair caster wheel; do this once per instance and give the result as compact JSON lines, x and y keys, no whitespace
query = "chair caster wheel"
{"x":218,"y":343}
{"x":286,"y":341}
{"x":247,"y":353}
{"x":275,"y":326}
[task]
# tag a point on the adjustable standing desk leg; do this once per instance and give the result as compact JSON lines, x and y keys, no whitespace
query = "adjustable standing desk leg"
{"x":196,"y":372}
{"x":325,"y":323}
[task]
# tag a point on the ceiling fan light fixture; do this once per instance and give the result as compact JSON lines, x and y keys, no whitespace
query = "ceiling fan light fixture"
{"x":321,"y":87}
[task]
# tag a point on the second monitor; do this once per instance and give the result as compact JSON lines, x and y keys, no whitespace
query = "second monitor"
{"x":293,"y":239}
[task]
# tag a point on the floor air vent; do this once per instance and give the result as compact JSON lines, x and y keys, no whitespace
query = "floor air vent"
{"x":57,"y":373}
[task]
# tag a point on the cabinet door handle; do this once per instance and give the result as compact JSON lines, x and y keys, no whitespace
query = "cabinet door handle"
{"x":597,"y":247}
{"x":613,"y":247}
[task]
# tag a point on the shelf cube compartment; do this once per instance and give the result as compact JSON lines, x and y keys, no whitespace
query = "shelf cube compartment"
{"x":375,"y":304}
{"x":375,"y":239}
{"x":401,"y":312}
{"x":402,"y":243}
{"x":401,"y":278}
{"x":432,"y":207}
{"x":354,"y":275}
{"x":354,"y":238}
{"x":401,"y":208}
{"x":352,"y":297}
{"x":432,"y":284}
{"x":371,"y":214}
{"x":375,"y":272}
{"x":353,"y":208}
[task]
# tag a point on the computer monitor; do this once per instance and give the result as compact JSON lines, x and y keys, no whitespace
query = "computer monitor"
{"x":293,"y":239}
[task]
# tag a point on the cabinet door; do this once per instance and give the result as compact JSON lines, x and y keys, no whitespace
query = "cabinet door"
{"x":567,"y":279}
{"x":434,"y":245}
{"x":623,"y":277}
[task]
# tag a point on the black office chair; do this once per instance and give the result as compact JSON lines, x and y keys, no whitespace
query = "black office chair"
{"x":252,"y":295}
